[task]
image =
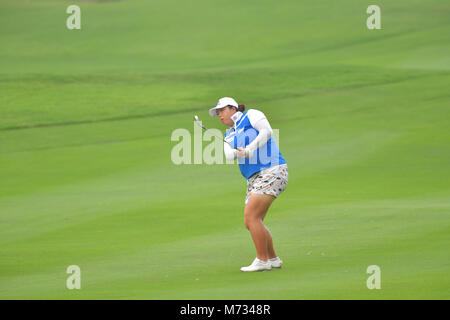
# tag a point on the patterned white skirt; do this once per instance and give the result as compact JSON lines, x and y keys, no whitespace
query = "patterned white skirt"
{"x":271,"y":181}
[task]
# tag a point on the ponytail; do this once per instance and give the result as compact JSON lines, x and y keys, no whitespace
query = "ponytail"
{"x":240,"y":107}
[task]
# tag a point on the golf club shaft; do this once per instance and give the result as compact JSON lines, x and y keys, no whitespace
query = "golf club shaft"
{"x":198,"y":123}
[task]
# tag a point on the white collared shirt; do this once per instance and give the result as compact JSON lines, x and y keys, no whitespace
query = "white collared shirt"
{"x":235,"y":117}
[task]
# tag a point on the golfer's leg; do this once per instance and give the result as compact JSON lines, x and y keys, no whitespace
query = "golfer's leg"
{"x":259,"y":237}
{"x":254,"y":213}
{"x":270,"y":250}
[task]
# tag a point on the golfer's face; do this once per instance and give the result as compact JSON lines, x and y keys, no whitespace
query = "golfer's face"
{"x":225,"y":114}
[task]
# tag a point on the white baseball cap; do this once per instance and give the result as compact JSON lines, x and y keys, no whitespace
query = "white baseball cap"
{"x":222,"y":103}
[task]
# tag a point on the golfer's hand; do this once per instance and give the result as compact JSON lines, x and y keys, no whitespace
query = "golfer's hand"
{"x":242,"y":153}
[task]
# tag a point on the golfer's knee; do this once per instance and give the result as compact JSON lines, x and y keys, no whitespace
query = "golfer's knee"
{"x":249,"y":221}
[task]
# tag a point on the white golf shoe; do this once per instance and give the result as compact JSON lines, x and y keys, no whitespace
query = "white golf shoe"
{"x":258,"y":265}
{"x":276,"y":262}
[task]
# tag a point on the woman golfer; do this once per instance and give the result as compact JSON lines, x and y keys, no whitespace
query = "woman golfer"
{"x":262,"y":164}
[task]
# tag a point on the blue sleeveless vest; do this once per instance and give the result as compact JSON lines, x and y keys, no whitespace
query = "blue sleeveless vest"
{"x":266,"y":156}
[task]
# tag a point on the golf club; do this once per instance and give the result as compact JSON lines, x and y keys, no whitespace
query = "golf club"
{"x":197,"y":121}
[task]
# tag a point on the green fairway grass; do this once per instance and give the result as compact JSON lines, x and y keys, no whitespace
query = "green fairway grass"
{"x":86,"y":177}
